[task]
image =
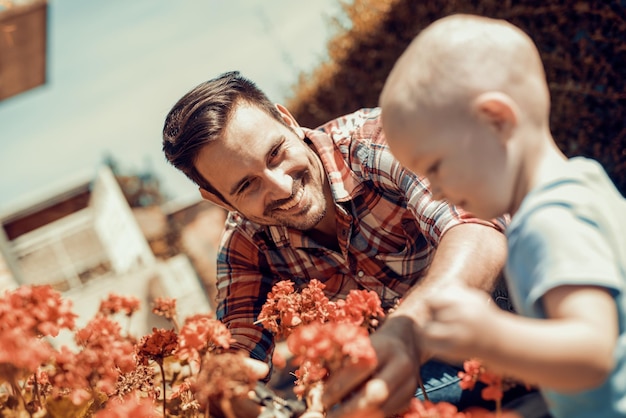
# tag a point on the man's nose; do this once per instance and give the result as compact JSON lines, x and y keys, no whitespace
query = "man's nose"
{"x":279,"y":184}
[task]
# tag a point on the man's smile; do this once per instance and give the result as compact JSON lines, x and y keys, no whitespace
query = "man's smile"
{"x":293,"y":201}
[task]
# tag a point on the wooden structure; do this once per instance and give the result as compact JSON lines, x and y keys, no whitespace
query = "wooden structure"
{"x":23,"y":44}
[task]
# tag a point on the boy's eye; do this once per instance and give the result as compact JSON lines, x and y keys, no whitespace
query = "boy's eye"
{"x":275,"y":150}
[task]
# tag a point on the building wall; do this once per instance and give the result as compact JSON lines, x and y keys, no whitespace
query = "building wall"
{"x":94,"y":250}
{"x":116,"y":226}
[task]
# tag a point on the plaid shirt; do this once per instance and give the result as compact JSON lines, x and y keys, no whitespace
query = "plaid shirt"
{"x":388,"y":228}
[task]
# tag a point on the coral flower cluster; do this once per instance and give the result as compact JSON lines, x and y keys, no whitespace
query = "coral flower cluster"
{"x":189,"y":369}
{"x":325,"y":336}
{"x":108,"y":373}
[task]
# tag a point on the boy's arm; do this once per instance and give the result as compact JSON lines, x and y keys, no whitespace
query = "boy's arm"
{"x":571,"y":351}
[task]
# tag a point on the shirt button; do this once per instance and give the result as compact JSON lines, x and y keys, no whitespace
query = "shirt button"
{"x":360,"y":273}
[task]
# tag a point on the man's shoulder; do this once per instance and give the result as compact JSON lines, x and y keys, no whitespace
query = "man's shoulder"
{"x":241,"y":232}
{"x":352,"y":122}
{"x":238,"y":225}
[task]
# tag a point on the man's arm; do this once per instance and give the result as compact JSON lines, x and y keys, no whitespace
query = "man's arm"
{"x":468,"y":253}
{"x":242,"y":288}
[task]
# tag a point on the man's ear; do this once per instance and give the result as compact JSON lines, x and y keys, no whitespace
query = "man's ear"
{"x":290,"y":120}
{"x":213,"y":198}
{"x":499,"y":111}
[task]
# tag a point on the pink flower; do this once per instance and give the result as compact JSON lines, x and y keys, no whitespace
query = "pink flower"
{"x":37,"y":310}
{"x":160,"y":344}
{"x":22,"y":352}
{"x":361,"y":307}
{"x":321,"y":349}
{"x":132,"y":405}
{"x":165,"y":307}
{"x":476,"y":372}
{"x":202,"y":334}
{"x":470,"y":376}
{"x":104,"y":355}
{"x":119,"y":304}
{"x":285,"y":308}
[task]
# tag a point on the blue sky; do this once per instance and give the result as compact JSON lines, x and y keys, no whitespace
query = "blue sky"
{"x":116,"y":67}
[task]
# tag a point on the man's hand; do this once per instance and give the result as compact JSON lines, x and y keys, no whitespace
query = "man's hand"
{"x":241,"y":408}
{"x":459,"y":323}
{"x":382,"y":389}
{"x":258,"y":369}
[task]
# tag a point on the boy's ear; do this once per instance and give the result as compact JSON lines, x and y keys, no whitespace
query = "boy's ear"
{"x":290,"y":120}
{"x":213,"y":198}
{"x":499,"y":111}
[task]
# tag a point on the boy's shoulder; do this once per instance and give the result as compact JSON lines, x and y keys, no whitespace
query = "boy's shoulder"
{"x":583,"y":192}
{"x":584,"y":183}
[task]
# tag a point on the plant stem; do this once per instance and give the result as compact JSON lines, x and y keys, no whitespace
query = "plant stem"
{"x":128,"y":326}
{"x":164,"y":386}
{"x":314,"y":398}
{"x":227,"y":408}
{"x":176,"y":324}
{"x":421,"y":386}
{"x":260,"y":321}
{"x":36,"y":388}
{"x":18,"y":392}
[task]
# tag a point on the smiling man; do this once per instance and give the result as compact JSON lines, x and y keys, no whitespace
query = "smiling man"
{"x":331,"y":204}
{"x":274,"y":177}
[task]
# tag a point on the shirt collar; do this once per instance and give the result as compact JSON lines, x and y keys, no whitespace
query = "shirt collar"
{"x":344,"y":183}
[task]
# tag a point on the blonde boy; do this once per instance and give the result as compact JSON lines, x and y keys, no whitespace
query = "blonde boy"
{"x":467,"y":105}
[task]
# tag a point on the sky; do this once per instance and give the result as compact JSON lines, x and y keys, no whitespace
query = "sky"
{"x":116,"y":67}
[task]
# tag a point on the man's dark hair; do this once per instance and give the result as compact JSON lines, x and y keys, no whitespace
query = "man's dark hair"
{"x":200,"y":116}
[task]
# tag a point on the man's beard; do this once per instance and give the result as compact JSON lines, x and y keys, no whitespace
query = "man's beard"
{"x":304,"y":222}
{"x":305,"y":219}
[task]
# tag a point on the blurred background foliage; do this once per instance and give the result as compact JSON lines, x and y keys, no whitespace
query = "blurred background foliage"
{"x":582,"y":44}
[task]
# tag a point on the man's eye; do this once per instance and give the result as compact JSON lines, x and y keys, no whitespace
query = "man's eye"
{"x":243,"y":187}
{"x":433,"y":168}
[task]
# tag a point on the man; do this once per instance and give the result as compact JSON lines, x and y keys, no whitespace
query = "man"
{"x":330,"y":204}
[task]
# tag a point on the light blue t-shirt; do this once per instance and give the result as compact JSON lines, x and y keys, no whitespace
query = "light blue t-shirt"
{"x":572,"y":231}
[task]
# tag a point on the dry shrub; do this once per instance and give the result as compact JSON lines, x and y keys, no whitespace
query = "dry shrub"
{"x":581,"y":43}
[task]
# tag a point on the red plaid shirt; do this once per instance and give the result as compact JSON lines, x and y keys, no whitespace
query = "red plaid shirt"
{"x":388,"y":228}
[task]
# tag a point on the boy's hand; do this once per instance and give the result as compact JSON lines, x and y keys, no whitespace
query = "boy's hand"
{"x":459,"y":323}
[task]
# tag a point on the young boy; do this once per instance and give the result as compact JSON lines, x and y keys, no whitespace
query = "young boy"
{"x":467,"y":105}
